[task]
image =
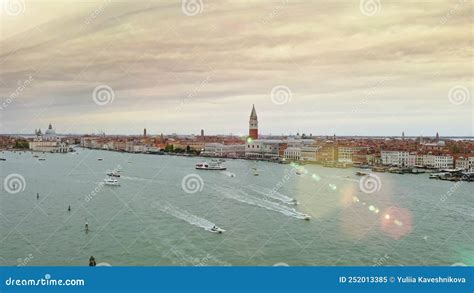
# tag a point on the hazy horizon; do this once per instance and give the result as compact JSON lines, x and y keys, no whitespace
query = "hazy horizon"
{"x":360,"y":68}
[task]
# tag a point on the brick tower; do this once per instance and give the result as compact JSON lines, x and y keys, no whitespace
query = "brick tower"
{"x":253,"y":124}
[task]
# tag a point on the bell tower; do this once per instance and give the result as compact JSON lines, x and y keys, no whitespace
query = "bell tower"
{"x":253,"y":124}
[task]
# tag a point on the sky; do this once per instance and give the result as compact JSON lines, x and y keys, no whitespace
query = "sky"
{"x":368,"y":67}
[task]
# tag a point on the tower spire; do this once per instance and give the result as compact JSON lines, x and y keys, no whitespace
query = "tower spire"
{"x":253,"y":124}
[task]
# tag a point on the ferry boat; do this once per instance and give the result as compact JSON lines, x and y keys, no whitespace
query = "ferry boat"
{"x":213,"y":165}
{"x":113,"y":174}
{"x":111,"y":181}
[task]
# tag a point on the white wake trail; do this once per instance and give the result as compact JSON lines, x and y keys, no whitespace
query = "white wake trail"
{"x":186,"y":216}
{"x":274,"y":194}
{"x":248,"y":199}
{"x":135,"y":178}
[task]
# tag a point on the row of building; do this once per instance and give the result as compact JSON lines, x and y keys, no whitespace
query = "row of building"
{"x":331,"y":151}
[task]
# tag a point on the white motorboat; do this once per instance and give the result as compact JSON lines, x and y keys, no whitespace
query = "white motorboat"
{"x":213,"y":165}
{"x":111,"y":181}
{"x":306,"y":217}
{"x":113,"y":174}
{"x":215,"y":229}
{"x":293,"y":201}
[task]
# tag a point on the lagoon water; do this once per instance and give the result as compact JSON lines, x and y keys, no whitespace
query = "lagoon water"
{"x":151,"y":220}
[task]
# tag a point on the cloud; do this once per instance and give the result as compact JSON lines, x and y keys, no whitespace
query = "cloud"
{"x":168,"y":66}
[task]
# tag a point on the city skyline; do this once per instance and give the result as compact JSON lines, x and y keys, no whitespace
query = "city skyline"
{"x":321,"y":68}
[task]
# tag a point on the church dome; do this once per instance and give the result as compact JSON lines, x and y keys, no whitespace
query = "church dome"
{"x":50,"y":131}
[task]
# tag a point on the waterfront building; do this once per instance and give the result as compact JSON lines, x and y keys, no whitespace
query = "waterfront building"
{"x":465,"y":163}
{"x":440,"y":161}
{"x":222,"y":150}
{"x":253,"y":124}
{"x":398,"y":158}
{"x":265,"y":149}
{"x":133,"y":147}
{"x":309,"y":153}
{"x":292,"y":153}
{"x":346,"y":153}
{"x":52,"y":146}
{"x":443,"y":162}
{"x":48,"y":142}
{"x":327,"y":152}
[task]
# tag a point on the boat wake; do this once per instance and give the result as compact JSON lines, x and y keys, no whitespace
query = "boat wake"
{"x":136,"y":178}
{"x":186,"y":216}
{"x":244,"y":197}
{"x":266,"y":192}
{"x":346,"y":178}
{"x":228,"y":174}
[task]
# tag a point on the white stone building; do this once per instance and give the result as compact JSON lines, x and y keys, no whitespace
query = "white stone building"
{"x":292,"y":153}
{"x":465,"y":163}
{"x":398,"y":158}
{"x":263,"y":148}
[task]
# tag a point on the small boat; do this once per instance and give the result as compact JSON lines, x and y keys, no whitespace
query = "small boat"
{"x":3,"y":159}
{"x":358,"y":173}
{"x":255,"y":173}
{"x":113,"y":174}
{"x":215,"y":229}
{"x":111,"y":181}
{"x":306,"y":217}
{"x":41,"y":159}
{"x":99,"y":159}
{"x":293,"y":201}
{"x":213,"y":165}
{"x":35,"y":156}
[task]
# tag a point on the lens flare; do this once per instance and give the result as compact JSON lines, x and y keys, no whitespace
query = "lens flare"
{"x":396,"y":223}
